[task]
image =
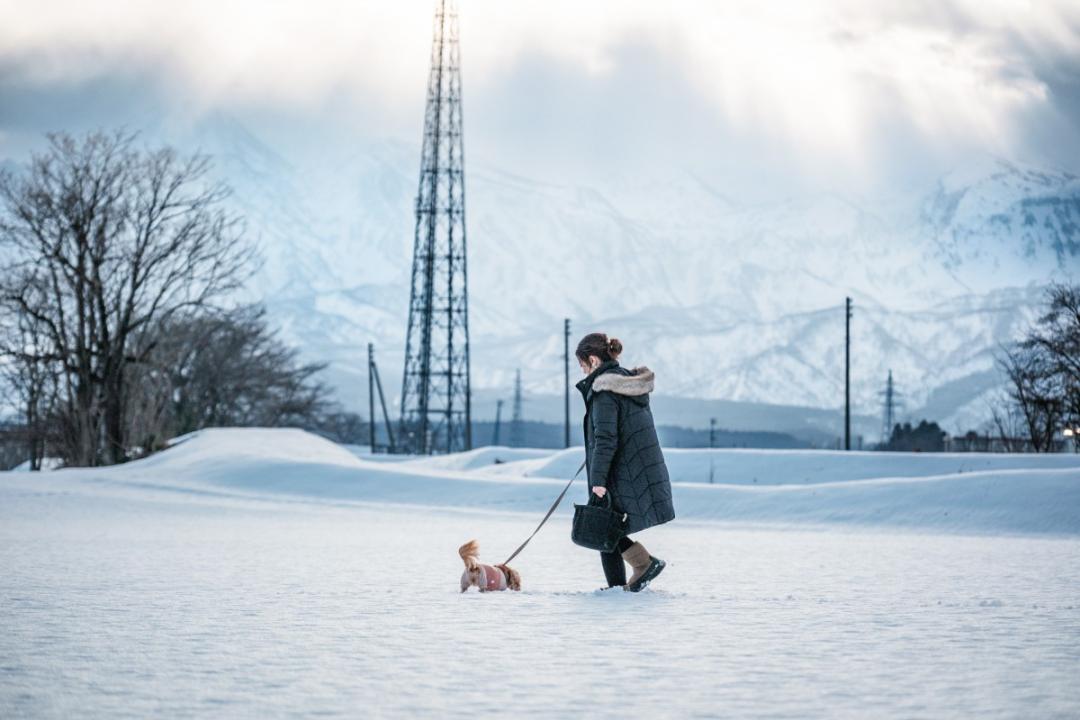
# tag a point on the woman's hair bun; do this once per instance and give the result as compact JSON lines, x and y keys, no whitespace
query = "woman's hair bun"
{"x":614,"y":347}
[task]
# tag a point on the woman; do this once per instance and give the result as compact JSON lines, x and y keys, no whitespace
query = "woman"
{"x":623,"y":455}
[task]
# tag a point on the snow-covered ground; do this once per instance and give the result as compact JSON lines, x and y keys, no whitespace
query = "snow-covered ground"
{"x":271,"y":573}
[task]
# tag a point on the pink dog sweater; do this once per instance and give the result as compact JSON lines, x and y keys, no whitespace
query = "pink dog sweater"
{"x":492,"y":578}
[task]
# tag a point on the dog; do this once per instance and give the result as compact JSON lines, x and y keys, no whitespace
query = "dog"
{"x":486,"y":577}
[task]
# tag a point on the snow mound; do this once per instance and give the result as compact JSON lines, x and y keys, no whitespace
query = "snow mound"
{"x":49,"y":463}
{"x":551,"y":464}
{"x":220,"y":452}
{"x":480,"y":458}
{"x":800,"y":467}
{"x":940,"y":493}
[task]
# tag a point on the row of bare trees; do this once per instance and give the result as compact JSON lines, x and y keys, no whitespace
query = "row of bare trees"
{"x":1042,"y":400}
{"x":117,"y":265}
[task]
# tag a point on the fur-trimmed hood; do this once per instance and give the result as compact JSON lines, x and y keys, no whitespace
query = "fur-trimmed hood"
{"x":640,"y":381}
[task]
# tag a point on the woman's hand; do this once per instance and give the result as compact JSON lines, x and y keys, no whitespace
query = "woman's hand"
{"x":600,"y":491}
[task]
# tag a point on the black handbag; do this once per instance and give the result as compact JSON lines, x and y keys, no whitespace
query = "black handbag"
{"x":596,"y":525}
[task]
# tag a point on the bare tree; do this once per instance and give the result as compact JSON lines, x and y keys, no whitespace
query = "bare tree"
{"x":1009,"y":423}
{"x":1043,"y":372}
{"x":108,"y":243}
{"x":222,"y":369}
{"x":1035,"y":392}
{"x":1057,"y":338}
{"x":29,"y":374}
{"x":342,"y":427}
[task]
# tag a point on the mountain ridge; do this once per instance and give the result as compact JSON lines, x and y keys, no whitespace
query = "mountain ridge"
{"x":732,"y":301}
{"x":759,"y":285}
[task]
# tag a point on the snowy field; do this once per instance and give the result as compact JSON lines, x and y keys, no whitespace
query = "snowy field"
{"x":268,"y":573}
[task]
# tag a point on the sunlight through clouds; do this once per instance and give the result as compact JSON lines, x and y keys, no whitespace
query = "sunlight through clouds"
{"x":847,"y":86}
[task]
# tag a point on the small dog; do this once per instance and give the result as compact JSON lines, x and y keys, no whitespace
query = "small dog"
{"x":485,"y":577}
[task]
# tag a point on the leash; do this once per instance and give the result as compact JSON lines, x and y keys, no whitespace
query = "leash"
{"x":553,"y":506}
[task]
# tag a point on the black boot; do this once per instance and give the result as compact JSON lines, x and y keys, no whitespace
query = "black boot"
{"x":646,"y":567}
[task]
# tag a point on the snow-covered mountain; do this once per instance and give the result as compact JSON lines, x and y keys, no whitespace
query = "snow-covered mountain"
{"x":997,"y":215}
{"x":724,"y":300}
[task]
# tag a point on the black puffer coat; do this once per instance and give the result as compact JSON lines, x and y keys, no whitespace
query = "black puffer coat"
{"x":622,"y":451}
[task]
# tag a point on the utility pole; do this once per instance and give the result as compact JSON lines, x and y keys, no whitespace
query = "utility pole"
{"x":373,"y":378}
{"x":847,"y":374}
{"x":371,"y":394}
{"x":498,"y":419}
{"x":566,"y":369}
{"x":712,"y":444}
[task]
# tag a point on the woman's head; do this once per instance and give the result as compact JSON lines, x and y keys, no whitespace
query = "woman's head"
{"x":596,"y":348}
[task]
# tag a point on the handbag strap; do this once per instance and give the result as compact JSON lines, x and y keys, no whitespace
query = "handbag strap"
{"x":604,"y":502}
{"x":549,"y":512}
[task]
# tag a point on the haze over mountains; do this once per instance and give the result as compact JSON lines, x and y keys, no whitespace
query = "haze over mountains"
{"x":707,"y":181}
{"x":737,"y":306}
{"x":724,"y":300}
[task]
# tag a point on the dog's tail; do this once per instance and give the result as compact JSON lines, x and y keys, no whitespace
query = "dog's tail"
{"x":470,"y":552}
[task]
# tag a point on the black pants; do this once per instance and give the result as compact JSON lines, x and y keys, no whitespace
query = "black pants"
{"x":614,"y":567}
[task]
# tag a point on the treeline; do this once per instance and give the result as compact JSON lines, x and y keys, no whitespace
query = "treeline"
{"x":117,"y":266}
{"x":924,"y":437}
{"x":1042,"y":400}
{"x":538,"y":434}
{"x":1039,"y":408}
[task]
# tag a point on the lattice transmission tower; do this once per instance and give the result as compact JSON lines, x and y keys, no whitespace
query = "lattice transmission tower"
{"x":891,"y":402}
{"x":435,"y":396}
{"x":517,"y":420}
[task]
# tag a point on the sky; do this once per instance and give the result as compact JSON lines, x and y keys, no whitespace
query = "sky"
{"x":760,"y":96}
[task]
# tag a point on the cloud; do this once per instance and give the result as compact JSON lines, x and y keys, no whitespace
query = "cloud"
{"x":837,"y":92}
